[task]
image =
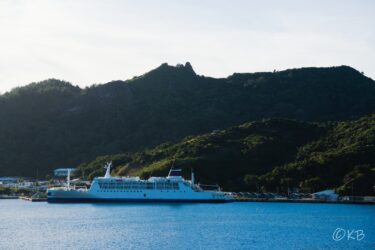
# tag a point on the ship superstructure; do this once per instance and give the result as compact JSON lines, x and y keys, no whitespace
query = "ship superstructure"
{"x":173,"y":188}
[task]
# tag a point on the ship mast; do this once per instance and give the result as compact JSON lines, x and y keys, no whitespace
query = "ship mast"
{"x":108,"y":170}
{"x":68,"y":179}
{"x":192,"y":178}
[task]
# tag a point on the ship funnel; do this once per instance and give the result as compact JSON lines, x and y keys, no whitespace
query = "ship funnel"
{"x":108,"y":170}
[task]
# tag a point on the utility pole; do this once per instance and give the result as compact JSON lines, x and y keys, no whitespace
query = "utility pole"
{"x":352,"y":182}
{"x":353,"y":188}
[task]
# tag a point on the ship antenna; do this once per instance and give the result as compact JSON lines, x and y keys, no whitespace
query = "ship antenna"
{"x":192,"y":177}
{"x":174,"y":159}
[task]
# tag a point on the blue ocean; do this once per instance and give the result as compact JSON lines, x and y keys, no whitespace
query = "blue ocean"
{"x":33,"y":225}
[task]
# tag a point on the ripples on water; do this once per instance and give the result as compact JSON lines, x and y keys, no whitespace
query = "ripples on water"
{"x":27,"y":225}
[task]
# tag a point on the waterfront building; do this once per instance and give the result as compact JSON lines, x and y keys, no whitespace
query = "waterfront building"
{"x":8,"y":181}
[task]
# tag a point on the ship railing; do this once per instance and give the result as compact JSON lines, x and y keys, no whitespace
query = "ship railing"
{"x":83,"y":188}
{"x":74,"y":187}
{"x":205,"y":187}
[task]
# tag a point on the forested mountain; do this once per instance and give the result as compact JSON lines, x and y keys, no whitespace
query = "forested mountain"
{"x":270,"y":155}
{"x":53,"y":123}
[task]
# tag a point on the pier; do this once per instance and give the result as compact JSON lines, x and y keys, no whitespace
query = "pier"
{"x":37,"y":197}
{"x":25,"y":198}
{"x":364,"y":202}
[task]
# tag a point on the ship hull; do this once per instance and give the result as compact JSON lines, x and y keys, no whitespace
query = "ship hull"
{"x":121,"y":200}
{"x":73,"y":196}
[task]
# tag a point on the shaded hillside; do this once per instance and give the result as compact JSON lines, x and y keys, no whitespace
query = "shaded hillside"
{"x":272,"y":155}
{"x":52,"y":123}
{"x":344,"y":157}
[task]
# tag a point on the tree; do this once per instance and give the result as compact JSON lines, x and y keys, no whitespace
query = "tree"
{"x":286,"y":183}
{"x":252,"y":181}
{"x":312,"y":185}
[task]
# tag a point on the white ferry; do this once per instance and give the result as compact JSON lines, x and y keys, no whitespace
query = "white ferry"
{"x":173,"y":188}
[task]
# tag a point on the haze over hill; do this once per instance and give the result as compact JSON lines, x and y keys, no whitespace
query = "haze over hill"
{"x":53,"y":123}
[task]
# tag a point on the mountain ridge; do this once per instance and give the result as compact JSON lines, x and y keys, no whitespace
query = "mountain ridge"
{"x":187,"y":68}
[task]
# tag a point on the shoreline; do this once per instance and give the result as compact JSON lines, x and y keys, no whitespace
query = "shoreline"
{"x":25,"y":198}
{"x":304,"y":201}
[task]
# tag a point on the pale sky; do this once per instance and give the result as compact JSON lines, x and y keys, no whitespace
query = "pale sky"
{"x":96,"y":41}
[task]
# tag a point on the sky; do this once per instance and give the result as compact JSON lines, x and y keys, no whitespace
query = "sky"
{"x":89,"y":42}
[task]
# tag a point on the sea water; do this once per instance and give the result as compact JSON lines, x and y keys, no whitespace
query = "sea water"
{"x":253,"y":225}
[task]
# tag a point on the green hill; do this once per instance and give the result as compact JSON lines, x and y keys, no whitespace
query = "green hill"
{"x":53,"y":123}
{"x":271,"y":155}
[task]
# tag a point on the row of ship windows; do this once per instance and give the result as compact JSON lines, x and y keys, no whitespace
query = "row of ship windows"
{"x":173,"y":186}
{"x":135,"y":191}
{"x":134,"y":188}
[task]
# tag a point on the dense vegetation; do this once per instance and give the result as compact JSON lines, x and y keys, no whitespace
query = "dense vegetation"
{"x":269,"y":155}
{"x":14,"y":191}
{"x":53,"y":123}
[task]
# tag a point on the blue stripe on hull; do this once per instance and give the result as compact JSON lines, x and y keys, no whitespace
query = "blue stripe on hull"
{"x":93,"y":200}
